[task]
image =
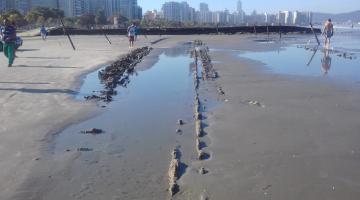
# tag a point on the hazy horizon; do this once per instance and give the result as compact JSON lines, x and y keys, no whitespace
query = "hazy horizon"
{"x":261,"y":6}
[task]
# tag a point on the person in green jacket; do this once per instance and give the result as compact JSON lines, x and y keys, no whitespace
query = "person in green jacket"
{"x":9,"y":38}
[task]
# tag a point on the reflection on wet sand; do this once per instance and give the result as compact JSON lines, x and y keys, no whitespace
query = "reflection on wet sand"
{"x":313,"y":55}
{"x":296,"y":60}
{"x":181,"y":50}
{"x":326,"y":62}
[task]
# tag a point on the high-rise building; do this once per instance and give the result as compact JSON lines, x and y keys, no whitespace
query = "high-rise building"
{"x":178,"y":12}
{"x":310,"y":17}
{"x":45,"y":3}
{"x":285,"y":17}
{"x":239,"y":7}
{"x":74,"y":8}
{"x":240,"y":14}
{"x":97,"y":5}
{"x":302,"y":18}
{"x":138,"y":13}
{"x":23,"y":5}
{"x":126,"y":8}
{"x":10,"y":4}
{"x":2,"y":5}
{"x":112,"y":7}
{"x":204,"y":7}
{"x":204,"y":15}
{"x":171,"y":11}
{"x":221,"y":17}
{"x":7,"y":5}
{"x":185,"y":12}
{"x":296,"y":17}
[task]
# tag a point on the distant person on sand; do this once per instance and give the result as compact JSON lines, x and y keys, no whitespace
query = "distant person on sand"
{"x":131,"y":34}
{"x":326,"y":62}
{"x":43,"y":32}
{"x":328,"y":32}
{"x":9,"y":38}
{"x":137,"y":32}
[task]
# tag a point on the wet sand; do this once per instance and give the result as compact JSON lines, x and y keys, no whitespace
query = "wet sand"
{"x":277,"y":136}
{"x":298,"y":141}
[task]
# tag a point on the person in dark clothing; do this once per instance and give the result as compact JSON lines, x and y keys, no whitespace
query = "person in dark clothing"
{"x":9,"y":38}
{"x":43,"y":32}
{"x":1,"y":36}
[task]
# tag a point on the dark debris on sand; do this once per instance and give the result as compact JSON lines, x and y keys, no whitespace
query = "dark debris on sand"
{"x":118,"y":74}
{"x":94,"y":131}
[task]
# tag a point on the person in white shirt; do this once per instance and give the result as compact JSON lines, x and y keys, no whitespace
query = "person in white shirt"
{"x":131,"y":34}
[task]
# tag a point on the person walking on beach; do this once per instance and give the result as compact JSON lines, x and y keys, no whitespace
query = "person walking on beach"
{"x":137,"y":32}
{"x":328,"y":32}
{"x":43,"y":32}
{"x":131,"y":34}
{"x":9,"y":38}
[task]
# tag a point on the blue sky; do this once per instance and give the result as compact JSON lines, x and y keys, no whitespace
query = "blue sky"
{"x":272,"y":6}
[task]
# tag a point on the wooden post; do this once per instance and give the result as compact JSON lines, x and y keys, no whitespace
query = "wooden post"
{"x":316,"y":37}
{"x":106,"y":37}
{"x":65,"y":32}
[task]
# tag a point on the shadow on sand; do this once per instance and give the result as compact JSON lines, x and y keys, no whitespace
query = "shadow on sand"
{"x":182,"y":166}
{"x":24,"y":83}
{"x":46,"y":58}
{"x":157,"y":41}
{"x":41,"y":91}
{"x":23,"y":50}
{"x":48,"y":67}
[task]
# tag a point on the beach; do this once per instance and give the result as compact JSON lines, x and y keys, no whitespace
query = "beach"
{"x":298,"y":141}
{"x":266,"y":135}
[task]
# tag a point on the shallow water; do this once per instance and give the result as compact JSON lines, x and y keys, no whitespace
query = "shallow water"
{"x":140,"y":128}
{"x":346,"y":39}
{"x":296,"y":60}
{"x":153,"y":100}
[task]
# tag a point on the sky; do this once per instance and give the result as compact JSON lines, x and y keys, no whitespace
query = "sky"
{"x":270,"y":6}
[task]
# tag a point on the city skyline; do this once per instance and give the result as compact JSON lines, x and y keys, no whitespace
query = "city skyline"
{"x":182,"y":12}
{"x":263,"y":6}
{"x":72,"y":8}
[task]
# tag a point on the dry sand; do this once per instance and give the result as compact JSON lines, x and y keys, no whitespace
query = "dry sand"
{"x":300,"y":143}
{"x":36,"y":97}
